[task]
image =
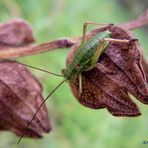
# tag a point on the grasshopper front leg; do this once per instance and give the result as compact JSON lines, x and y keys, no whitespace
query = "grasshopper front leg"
{"x":80,"y":84}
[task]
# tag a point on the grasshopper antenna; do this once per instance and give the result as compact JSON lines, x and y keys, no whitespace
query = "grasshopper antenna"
{"x":41,"y":106}
{"x":43,"y":70}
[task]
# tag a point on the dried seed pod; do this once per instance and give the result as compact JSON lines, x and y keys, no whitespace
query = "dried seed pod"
{"x":121,"y":73}
{"x":19,"y":98}
{"x":15,"y":33}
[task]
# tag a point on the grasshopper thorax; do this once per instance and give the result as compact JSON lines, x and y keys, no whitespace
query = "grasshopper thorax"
{"x":70,"y":75}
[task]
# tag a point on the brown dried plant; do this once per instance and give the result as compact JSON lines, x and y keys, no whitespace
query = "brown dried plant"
{"x":123,"y":72}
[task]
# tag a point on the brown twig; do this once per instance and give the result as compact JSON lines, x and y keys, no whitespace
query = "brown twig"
{"x":30,"y":50}
{"x":66,"y":42}
{"x":139,"y":22}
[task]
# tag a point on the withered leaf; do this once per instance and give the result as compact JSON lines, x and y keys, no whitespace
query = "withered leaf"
{"x":119,"y":74}
{"x":20,"y":96}
{"x":15,"y":33}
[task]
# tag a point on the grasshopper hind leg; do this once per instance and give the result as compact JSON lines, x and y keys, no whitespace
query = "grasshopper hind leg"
{"x":102,"y":46}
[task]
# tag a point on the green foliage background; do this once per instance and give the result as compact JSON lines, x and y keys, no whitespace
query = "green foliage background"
{"x":75,"y":126}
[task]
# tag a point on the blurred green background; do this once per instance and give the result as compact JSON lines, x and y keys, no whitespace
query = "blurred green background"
{"x":75,"y":126}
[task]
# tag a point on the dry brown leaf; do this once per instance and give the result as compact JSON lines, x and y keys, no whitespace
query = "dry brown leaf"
{"x":15,"y":33}
{"x":20,"y":96}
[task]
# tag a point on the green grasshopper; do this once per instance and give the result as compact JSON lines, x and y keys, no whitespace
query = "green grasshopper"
{"x":85,"y":59}
{"x":87,"y":54}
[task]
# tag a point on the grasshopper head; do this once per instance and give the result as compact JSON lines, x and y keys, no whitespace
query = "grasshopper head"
{"x":64,"y":73}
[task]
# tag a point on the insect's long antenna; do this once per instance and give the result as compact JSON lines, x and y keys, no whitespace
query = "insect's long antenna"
{"x":8,"y":60}
{"x":41,"y":106}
